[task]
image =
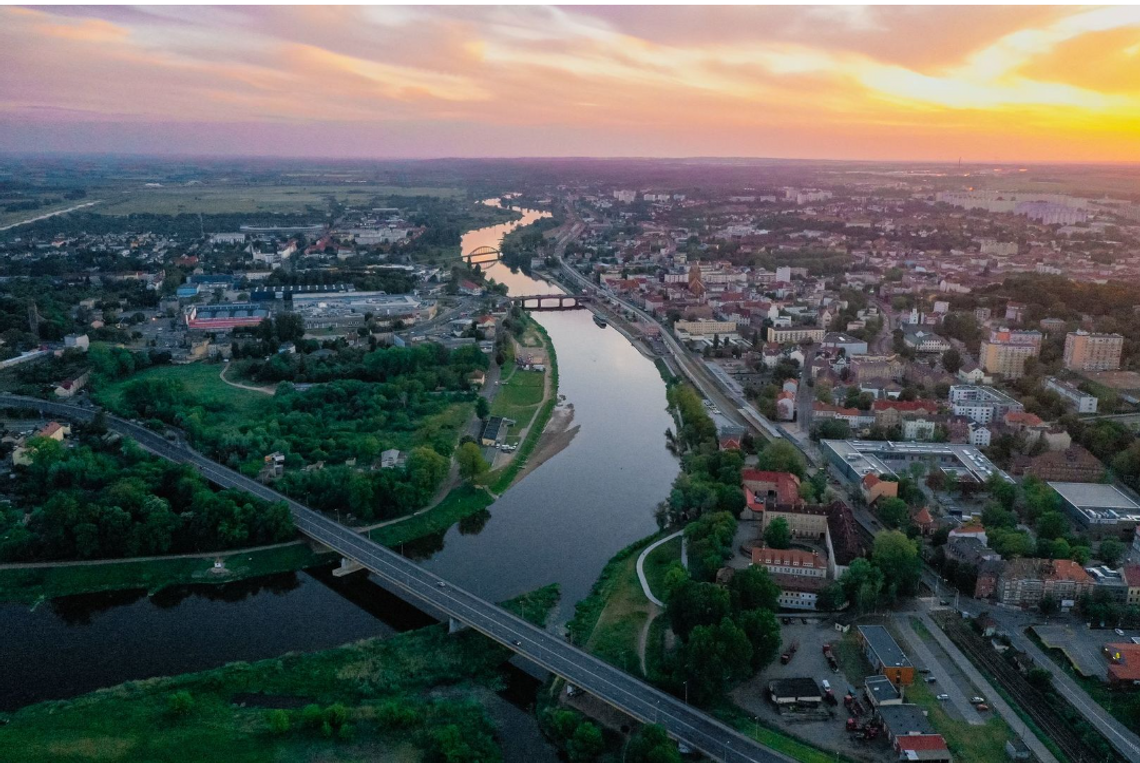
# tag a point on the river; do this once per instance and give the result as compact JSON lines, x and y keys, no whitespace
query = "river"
{"x":560,"y":524}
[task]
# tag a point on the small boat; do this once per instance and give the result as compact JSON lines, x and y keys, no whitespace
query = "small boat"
{"x":600,"y":321}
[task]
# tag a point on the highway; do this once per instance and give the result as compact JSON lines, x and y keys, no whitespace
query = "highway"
{"x":619,"y":689}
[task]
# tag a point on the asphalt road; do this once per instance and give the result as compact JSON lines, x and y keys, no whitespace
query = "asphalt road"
{"x":619,"y":689}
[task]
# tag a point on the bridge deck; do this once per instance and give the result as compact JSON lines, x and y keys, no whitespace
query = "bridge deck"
{"x":619,"y":689}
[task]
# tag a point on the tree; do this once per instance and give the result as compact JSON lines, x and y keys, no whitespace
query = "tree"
{"x":763,"y":632}
{"x":897,"y":557}
{"x":1040,"y":678}
{"x":585,"y":744}
{"x":952,"y":360}
{"x":893,"y":512}
{"x":1110,"y":551}
{"x":753,"y":588}
{"x":778,"y":534}
{"x":1052,"y":525}
{"x":781,"y":456}
{"x":651,"y":744}
{"x":862,"y":584}
{"x":180,"y":703}
{"x":279,"y":722}
{"x":694,"y":604}
{"x":472,"y":465}
{"x":482,"y":407}
{"x":714,"y":656}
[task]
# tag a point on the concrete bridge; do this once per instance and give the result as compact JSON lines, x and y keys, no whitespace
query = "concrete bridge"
{"x":551,"y":301}
{"x":613,"y":686}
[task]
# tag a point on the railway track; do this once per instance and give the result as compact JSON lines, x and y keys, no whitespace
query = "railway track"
{"x":1039,"y":707}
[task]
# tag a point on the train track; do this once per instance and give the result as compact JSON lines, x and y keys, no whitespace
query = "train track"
{"x":1039,"y":707}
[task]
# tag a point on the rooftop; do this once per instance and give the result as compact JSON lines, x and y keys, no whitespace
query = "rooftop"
{"x":1099,"y":503}
{"x":884,"y":646}
{"x":881,"y":689}
{"x":875,"y":457}
{"x":905,"y":720}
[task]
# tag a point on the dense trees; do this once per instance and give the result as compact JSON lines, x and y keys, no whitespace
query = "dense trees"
{"x":472,"y":465}
{"x":778,"y":534}
{"x":99,"y":500}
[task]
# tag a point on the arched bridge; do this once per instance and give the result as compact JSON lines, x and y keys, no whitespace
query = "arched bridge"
{"x":613,"y":686}
{"x":551,"y":301}
{"x":483,"y":254}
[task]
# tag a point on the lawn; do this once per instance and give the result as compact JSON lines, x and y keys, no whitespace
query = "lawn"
{"x":519,"y":397}
{"x":658,"y":562}
{"x":274,"y":199}
{"x":385,"y":687}
{"x":31,"y":585}
{"x":202,"y":383}
{"x":615,"y":637}
{"x":967,"y":743}
{"x":460,"y":503}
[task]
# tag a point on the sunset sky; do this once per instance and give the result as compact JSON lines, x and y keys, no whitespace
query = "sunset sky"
{"x":931,"y":83}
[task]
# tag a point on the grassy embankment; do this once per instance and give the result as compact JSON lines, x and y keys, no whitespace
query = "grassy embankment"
{"x":378,"y":693}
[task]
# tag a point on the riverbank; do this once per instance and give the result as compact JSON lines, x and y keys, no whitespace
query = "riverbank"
{"x":421,"y":694}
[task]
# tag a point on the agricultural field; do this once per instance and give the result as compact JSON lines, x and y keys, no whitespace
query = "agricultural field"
{"x":274,"y":199}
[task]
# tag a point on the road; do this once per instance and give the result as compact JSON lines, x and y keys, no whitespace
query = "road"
{"x":945,"y":683}
{"x":615,"y":687}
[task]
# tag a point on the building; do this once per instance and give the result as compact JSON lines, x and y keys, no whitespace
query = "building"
{"x":352,"y":309}
{"x":763,"y":489}
{"x":890,"y":413}
{"x":984,"y":405}
{"x":1024,"y":582}
{"x":921,"y":340}
{"x":872,"y":488}
{"x":1099,"y":510}
{"x":855,"y":459}
{"x":1093,"y":352}
{"x":790,"y":561}
{"x":880,"y":691}
{"x":799,"y":591}
{"x":1073,"y":464}
{"x":885,"y":655}
{"x":1131,"y":575}
{"x":795,"y":334}
{"x":224,"y":317}
{"x":1005,"y":351}
{"x":77,"y":342}
{"x":686,"y":329}
{"x":68,"y":387}
{"x":1123,"y":664}
{"x":925,"y":748}
{"x":494,"y":431}
{"x":391,"y":459}
{"x":1082,"y":402}
{"x":849,"y":344}
{"x":795,"y":691}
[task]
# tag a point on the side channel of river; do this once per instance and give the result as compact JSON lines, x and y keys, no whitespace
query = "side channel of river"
{"x":558,"y":525}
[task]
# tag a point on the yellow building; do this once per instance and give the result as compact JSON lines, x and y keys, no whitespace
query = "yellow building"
{"x":1093,"y":352}
{"x":705,"y":328}
{"x":795,"y":334}
{"x":1005,"y":352}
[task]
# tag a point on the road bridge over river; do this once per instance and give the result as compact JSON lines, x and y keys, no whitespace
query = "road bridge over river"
{"x":619,"y":689}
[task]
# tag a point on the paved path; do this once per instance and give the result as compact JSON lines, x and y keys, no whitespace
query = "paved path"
{"x":617,"y":688}
{"x":945,"y":682}
{"x":239,"y":385}
{"x":641,"y":567}
{"x":995,"y":700}
{"x":50,"y":214}
{"x":1127,"y":743}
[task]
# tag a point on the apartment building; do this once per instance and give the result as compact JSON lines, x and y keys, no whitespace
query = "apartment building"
{"x":790,"y":561}
{"x":795,"y":334}
{"x":1093,"y":352}
{"x":1006,"y":351}
{"x":983,"y":405}
{"x":1082,"y":402}
{"x":1024,"y":582}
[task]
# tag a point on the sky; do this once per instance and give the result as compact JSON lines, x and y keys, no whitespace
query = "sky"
{"x":977,"y":83}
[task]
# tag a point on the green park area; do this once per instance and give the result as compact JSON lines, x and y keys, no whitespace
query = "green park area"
{"x":419,"y":696}
{"x":519,"y":396}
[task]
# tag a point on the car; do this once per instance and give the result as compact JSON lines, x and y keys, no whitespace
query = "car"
{"x":1119,"y":632}
{"x":804,"y":620}
{"x":518,"y":643}
{"x":786,"y":620}
{"x":982,"y":707}
{"x":943,"y":697}
{"x":441,"y":584}
{"x":931,"y":679}
{"x":977,"y":700}
{"x":924,"y":670}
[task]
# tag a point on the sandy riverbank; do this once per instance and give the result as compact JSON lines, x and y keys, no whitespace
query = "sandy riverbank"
{"x":557,"y":435}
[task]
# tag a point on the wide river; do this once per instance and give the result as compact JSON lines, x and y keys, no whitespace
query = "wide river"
{"x":558,"y":525}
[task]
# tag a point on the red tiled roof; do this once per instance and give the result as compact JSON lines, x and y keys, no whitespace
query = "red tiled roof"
{"x":1132,"y":574}
{"x":922,"y":517}
{"x":905,"y":405}
{"x":1126,"y":667}
{"x":786,"y":557}
{"x":785,"y":485}
{"x":50,"y":429}
{"x":871,"y":480}
{"x":1066,"y":569}
{"x":921,"y":742}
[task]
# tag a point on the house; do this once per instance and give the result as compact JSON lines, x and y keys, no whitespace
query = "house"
{"x":927,"y":748}
{"x":1131,"y":575}
{"x":68,"y":387}
{"x":924,"y":521}
{"x":763,"y":488}
{"x":470,"y":288}
{"x":77,"y":342}
{"x":392,"y":458}
{"x":22,"y":455}
{"x":789,"y":561}
{"x":1123,"y":664}
{"x":969,"y":530}
{"x":872,"y":488}
{"x":890,"y":413}
{"x":494,"y":431}
{"x":1025,"y":582}
{"x":273,"y":466}
{"x":786,"y":406}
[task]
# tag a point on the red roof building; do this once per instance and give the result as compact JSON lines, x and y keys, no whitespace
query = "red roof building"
{"x":762,"y":488}
{"x":1123,"y":663}
{"x":922,"y":747}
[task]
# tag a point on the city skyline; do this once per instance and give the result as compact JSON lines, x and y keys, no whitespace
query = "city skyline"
{"x":984,"y":84}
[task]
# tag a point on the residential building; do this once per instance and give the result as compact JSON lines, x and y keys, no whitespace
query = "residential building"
{"x":985,"y":405}
{"x":1123,"y":664}
{"x":494,"y":431}
{"x":922,"y":340}
{"x":1024,"y":582}
{"x":68,"y":387}
{"x":970,"y":530}
{"x":77,"y":342}
{"x":770,"y":488}
{"x":889,"y":413}
{"x":795,"y":334}
{"x":1073,"y":464}
{"x":849,"y":344}
{"x":1005,"y":351}
{"x":704,"y":328}
{"x":790,"y":561}
{"x":885,"y":655}
{"x":1093,"y":352}
{"x":873,"y":488}
{"x":1082,"y":402}
{"x":1131,"y":575}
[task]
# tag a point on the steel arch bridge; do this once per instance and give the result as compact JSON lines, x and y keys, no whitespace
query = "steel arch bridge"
{"x":483,"y":254}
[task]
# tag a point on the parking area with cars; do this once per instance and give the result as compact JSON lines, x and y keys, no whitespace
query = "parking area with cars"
{"x":1083,"y":645}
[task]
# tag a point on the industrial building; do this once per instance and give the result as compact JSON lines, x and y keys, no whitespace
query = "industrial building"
{"x":350,"y":309}
{"x":855,"y":459}
{"x":885,"y":655}
{"x":1099,"y":509}
{"x":224,"y":317}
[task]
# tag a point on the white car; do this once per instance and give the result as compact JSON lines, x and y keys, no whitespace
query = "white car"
{"x":943,"y":697}
{"x":1119,"y":632}
{"x":977,"y":700}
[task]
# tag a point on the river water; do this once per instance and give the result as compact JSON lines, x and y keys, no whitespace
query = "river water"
{"x":560,"y":524}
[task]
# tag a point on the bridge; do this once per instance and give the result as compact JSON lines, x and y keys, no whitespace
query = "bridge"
{"x":613,"y":686}
{"x":547,"y":301}
{"x":483,"y":254}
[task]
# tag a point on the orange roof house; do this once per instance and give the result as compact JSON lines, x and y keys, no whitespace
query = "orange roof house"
{"x":873,"y":488}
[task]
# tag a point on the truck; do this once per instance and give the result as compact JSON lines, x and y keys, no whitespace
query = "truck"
{"x":787,"y":656}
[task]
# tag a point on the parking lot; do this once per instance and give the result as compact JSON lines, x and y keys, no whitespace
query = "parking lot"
{"x":1083,"y":645}
{"x":826,"y":727}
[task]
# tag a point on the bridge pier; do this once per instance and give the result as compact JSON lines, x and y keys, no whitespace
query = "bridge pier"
{"x":347,"y":567}
{"x":454,"y":626}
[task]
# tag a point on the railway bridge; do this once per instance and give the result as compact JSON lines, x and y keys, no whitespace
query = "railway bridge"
{"x":536,"y":302}
{"x":632,"y":696}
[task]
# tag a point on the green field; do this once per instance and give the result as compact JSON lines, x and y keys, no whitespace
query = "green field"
{"x":393,"y":696}
{"x":461,"y":502}
{"x":284,"y":199}
{"x":519,"y":397}
{"x":202,"y":383}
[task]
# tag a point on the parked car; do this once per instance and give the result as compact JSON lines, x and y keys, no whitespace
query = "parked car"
{"x":1119,"y":632}
{"x":943,"y":697}
{"x":982,"y":707}
{"x":977,"y":700}
{"x":931,"y":679}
